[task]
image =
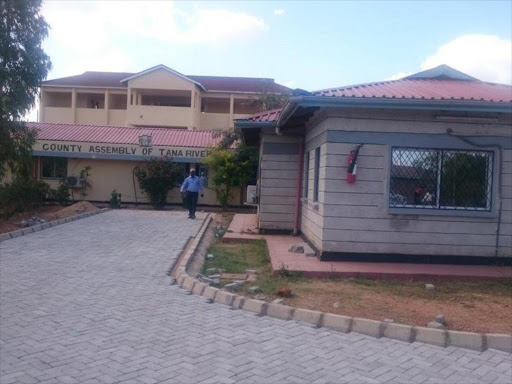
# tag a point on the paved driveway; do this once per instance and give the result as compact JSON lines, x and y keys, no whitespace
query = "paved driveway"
{"x":90,"y":301}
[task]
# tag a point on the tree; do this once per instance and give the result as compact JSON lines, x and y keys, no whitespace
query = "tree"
{"x":23,"y":65}
{"x":231,"y":168}
{"x":156,"y":178}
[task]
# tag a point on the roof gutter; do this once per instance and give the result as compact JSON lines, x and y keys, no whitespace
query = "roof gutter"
{"x":422,"y":104}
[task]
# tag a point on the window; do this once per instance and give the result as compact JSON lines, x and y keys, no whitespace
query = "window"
{"x":54,"y":167}
{"x":441,"y":179}
{"x":306,"y":175}
{"x":317,"y":174}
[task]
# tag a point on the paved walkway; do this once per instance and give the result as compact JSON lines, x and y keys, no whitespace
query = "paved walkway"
{"x":243,"y":227}
{"x":90,"y":302}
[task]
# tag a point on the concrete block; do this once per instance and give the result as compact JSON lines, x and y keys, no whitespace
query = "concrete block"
{"x":188,"y":283}
{"x":367,"y":327}
{"x":398,"y":332}
{"x":431,"y":336}
{"x":67,"y":219}
{"x":17,"y":233}
{"x":308,"y":316}
{"x":223,"y":297}
{"x":210,"y":293}
{"x":4,"y":236}
{"x":61,"y":221}
{"x":500,"y":342}
{"x":238,"y":303}
{"x":279,"y":311}
{"x":256,"y":306}
{"x":468,"y":340}
{"x":337,"y":322}
{"x":36,"y":228}
{"x":199,"y":288}
{"x":46,"y":225}
{"x":54,"y":223}
{"x":26,"y":231}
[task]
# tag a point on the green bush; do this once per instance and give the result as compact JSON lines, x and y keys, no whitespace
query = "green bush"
{"x":61,"y":194}
{"x":21,"y":195}
{"x":156,"y":178}
{"x":115,"y":199}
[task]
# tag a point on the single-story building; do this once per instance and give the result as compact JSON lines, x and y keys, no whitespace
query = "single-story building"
{"x":417,"y":169}
{"x":63,"y":150}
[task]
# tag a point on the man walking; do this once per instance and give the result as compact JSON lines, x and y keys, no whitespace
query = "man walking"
{"x":191,"y":187}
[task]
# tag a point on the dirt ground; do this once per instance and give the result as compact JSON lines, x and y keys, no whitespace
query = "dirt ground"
{"x":467,"y":306}
{"x":49,"y":213}
{"x":473,"y":306}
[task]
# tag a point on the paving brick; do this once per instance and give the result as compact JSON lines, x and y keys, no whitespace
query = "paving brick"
{"x":90,"y":301}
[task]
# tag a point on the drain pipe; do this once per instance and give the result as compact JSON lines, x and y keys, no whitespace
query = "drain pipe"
{"x":299,"y":186}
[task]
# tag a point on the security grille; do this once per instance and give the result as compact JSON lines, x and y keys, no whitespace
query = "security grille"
{"x":441,"y":179}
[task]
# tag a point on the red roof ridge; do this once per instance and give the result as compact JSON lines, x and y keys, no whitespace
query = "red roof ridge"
{"x":125,"y":127}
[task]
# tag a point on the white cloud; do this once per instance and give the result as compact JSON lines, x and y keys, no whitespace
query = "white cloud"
{"x":485,"y":57}
{"x":398,"y":75}
{"x":279,"y":12}
{"x":94,"y":24}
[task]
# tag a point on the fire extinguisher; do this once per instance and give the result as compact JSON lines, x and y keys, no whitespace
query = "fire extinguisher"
{"x":352,"y":164}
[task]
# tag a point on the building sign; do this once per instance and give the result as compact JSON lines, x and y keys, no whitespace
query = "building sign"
{"x":117,"y":151}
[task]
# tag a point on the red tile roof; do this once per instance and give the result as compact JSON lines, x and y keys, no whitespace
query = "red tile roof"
{"x":125,"y":135}
{"x":430,"y":89}
{"x":268,"y":116}
{"x":210,"y":83}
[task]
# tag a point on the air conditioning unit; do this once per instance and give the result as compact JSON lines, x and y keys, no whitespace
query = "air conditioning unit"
{"x":74,"y":182}
{"x":251,"y":195}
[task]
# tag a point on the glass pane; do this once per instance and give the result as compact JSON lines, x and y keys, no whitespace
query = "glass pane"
{"x":466,"y":179}
{"x":413,"y":178}
{"x":47,"y":167}
{"x":61,"y":167}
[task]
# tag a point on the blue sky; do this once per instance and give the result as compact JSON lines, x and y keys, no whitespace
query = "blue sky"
{"x":310,"y":45}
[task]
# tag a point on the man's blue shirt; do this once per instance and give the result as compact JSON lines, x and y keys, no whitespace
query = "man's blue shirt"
{"x":192,"y":184}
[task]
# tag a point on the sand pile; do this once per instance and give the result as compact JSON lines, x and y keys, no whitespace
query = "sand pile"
{"x":75,"y":209}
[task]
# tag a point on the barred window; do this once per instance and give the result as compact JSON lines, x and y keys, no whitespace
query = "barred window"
{"x":441,"y":179}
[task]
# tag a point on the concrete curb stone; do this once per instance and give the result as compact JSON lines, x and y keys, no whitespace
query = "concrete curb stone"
{"x":188,"y":283}
{"x":367,"y":327}
{"x":467,"y":340}
{"x":199,"y":288}
{"x":210,"y":293}
{"x":501,"y":342}
{"x":223,"y":297}
{"x":5,"y":236}
{"x":46,"y":225}
{"x":338,"y":323}
{"x":431,"y":336}
{"x":256,"y":306}
{"x":399,"y":332}
{"x":238,"y":303}
{"x":280,"y":311}
{"x":308,"y":316}
{"x":26,"y":231}
{"x":37,"y":227}
{"x":17,"y":233}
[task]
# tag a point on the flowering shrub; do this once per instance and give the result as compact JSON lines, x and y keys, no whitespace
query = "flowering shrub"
{"x":156,"y":178}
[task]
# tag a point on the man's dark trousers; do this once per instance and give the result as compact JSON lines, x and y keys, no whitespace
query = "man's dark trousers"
{"x":191,"y":203}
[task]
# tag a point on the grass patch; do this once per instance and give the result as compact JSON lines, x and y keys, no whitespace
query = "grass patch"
{"x":236,"y":258}
{"x":474,"y":306}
